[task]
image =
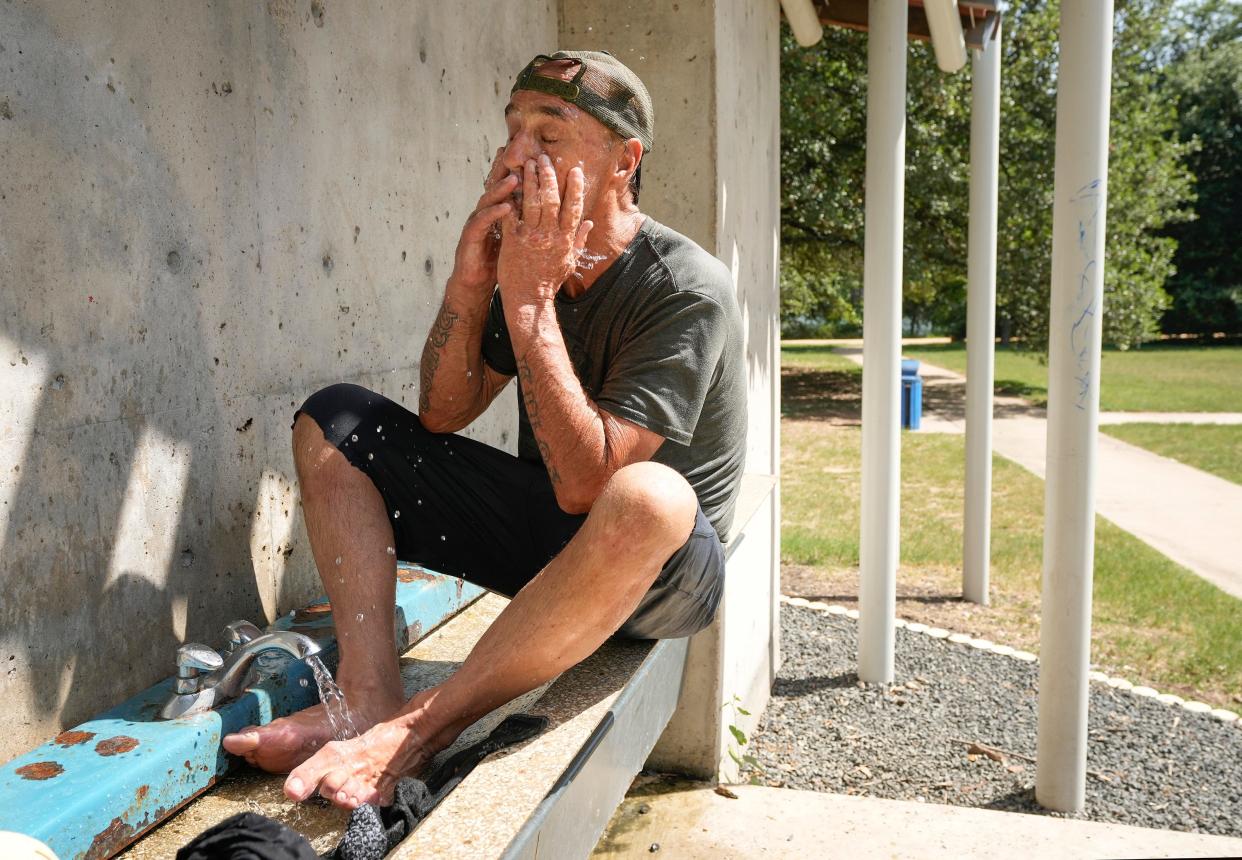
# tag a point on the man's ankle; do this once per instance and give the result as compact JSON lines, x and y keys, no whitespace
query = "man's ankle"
{"x":370,"y":693}
{"x":431,"y":716}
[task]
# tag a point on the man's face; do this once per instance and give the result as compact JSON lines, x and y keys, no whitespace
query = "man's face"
{"x":540,"y":123}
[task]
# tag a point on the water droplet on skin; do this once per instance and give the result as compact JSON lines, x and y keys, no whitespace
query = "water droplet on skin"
{"x":468,"y":374}
{"x":392,"y":551}
{"x":338,"y":559}
{"x":359,"y":616}
{"x":353,"y":438}
{"x":396,"y":515}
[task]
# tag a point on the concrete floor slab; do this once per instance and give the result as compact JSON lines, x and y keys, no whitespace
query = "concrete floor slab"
{"x":690,"y":820}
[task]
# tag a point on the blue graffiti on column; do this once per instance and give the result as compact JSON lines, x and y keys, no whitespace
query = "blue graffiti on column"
{"x":1086,"y":202}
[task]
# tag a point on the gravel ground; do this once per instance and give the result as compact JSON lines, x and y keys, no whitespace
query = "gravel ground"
{"x":1149,"y":764}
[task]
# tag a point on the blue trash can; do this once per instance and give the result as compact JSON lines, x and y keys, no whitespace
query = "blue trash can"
{"x":911,"y":394}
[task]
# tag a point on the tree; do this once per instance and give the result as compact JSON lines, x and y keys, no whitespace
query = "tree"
{"x":823,"y":164}
{"x":823,"y":160}
{"x":823,"y":135}
{"x":1204,"y":79}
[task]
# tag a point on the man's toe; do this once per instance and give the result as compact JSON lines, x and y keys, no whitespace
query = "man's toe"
{"x":310,"y":776}
{"x":359,"y":793}
{"x":242,"y":742}
{"x":332,"y":787}
{"x":297,"y":788}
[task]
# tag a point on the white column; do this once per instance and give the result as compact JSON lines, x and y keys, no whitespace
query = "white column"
{"x":981,"y":317}
{"x":1073,"y":398}
{"x":881,"y":406}
{"x":948,"y":41}
{"x":803,"y":21}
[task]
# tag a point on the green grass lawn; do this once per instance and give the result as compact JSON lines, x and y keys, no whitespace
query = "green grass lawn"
{"x":1156,"y":378}
{"x":1215,"y":448}
{"x":1153,"y":621}
{"x":817,"y":357}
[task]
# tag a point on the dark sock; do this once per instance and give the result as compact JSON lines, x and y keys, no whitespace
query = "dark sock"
{"x":372,"y":833}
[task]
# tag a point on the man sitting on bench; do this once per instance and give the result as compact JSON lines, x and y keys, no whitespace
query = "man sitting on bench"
{"x":626,"y":340}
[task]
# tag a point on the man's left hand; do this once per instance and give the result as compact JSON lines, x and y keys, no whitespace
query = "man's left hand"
{"x":540,"y":251}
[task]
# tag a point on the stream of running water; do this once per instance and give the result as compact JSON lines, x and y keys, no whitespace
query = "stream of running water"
{"x":334,"y":705}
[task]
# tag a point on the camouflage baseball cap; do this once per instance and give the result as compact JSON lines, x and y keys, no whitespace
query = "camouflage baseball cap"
{"x":602,"y":86}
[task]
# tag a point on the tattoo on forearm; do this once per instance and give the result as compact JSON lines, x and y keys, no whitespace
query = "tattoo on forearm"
{"x":436,"y":340}
{"x":527,"y":380}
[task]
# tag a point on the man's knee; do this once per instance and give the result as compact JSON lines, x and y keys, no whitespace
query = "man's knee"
{"x":650,"y":499}
{"x":340,"y":408}
{"x":328,"y":417}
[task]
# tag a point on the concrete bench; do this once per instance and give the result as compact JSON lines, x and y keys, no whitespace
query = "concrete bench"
{"x":514,"y":799}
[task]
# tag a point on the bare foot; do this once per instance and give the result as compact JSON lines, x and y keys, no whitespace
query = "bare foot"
{"x":283,"y":744}
{"x":366,"y":769}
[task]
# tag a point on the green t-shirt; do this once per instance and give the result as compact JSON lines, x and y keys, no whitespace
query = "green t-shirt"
{"x":657,"y":340}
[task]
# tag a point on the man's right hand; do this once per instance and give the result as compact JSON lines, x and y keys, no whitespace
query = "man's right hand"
{"x":474,"y":265}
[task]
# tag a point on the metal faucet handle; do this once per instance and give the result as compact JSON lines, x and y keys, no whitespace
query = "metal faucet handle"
{"x":193,"y":658}
{"x":239,"y":633}
{"x":197,"y":657}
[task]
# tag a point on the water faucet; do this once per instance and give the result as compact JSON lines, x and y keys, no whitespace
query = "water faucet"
{"x":207,"y":678}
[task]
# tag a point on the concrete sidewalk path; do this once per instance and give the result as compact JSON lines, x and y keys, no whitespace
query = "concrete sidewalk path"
{"x":1193,"y":517}
{"x":787,"y":823}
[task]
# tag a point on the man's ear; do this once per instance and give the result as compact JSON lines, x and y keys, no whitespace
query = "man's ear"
{"x":630,"y":157}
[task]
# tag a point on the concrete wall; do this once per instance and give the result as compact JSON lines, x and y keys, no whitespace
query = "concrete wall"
{"x":207,"y":211}
{"x":748,"y":229}
{"x":712,"y":67}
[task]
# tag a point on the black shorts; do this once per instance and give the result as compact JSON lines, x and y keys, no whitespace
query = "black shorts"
{"x":462,"y":507}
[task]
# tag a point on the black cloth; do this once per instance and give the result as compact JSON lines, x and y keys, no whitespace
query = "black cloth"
{"x":467,"y":509}
{"x":371,"y":833}
{"x":248,"y":836}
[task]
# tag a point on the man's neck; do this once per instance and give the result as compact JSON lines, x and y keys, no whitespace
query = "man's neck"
{"x":613,"y":231}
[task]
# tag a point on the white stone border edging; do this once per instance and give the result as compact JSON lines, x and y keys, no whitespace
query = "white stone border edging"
{"x":1222,"y":714}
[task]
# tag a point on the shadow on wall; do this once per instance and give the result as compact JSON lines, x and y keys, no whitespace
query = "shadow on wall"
{"x":120,"y":468}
